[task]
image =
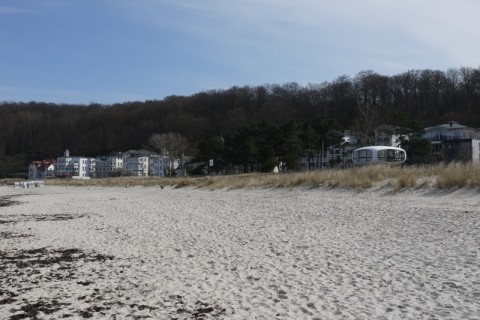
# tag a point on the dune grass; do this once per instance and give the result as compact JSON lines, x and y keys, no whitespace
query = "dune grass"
{"x":458,"y":175}
{"x":455,"y":175}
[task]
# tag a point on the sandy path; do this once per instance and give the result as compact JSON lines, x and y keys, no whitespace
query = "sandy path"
{"x":244,"y":254}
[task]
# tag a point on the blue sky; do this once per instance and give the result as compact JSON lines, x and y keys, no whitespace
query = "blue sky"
{"x":108,"y":51}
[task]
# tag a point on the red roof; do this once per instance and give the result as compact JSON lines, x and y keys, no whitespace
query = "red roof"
{"x":44,"y":164}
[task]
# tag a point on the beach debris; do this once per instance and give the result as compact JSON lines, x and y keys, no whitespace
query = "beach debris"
{"x":44,"y":217}
{"x":34,"y":309}
{"x":22,"y":271}
{"x":5,"y":201}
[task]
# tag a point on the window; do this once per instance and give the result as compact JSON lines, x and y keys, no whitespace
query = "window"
{"x":363,"y":155}
{"x":391,"y":155}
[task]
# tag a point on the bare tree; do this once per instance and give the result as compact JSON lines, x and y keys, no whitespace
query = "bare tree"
{"x":170,"y":145}
{"x":366,"y":121}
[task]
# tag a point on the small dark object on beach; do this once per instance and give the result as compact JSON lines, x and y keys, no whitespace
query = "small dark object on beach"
{"x":32,"y":310}
{"x":6,"y":202}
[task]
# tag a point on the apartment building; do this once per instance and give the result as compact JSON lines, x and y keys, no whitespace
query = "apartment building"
{"x":136,"y":162}
{"x":74,"y":167}
{"x":157,"y":165}
{"x":106,"y":166}
{"x":453,"y":142}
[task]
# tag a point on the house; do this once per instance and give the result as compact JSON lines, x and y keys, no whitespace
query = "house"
{"x":106,"y":166}
{"x":41,"y":170}
{"x":157,"y":165}
{"x":453,"y":142}
{"x":137,"y":162}
{"x":180,"y":166}
{"x":143,"y":163}
{"x":74,"y":167}
{"x":385,"y":135}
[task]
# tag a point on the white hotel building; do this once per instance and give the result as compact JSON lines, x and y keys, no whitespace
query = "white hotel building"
{"x":74,"y":167}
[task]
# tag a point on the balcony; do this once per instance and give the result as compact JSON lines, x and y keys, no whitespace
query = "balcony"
{"x":442,"y":137}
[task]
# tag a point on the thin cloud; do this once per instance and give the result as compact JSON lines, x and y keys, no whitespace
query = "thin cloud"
{"x":261,"y":36}
{"x":4,"y":10}
{"x":445,"y":28}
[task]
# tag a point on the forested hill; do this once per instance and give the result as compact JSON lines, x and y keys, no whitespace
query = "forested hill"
{"x":34,"y":130}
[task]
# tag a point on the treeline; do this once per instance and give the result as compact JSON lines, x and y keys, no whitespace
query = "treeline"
{"x":37,"y":130}
{"x":264,"y":146}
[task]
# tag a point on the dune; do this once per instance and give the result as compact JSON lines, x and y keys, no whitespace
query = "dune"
{"x":164,"y":253}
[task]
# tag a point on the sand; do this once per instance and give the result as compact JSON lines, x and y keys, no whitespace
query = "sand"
{"x":151,"y":253}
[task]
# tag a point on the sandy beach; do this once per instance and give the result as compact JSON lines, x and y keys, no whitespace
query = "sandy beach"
{"x":152,"y":253}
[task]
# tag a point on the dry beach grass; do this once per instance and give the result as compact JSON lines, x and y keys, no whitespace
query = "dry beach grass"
{"x":454,"y":175}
